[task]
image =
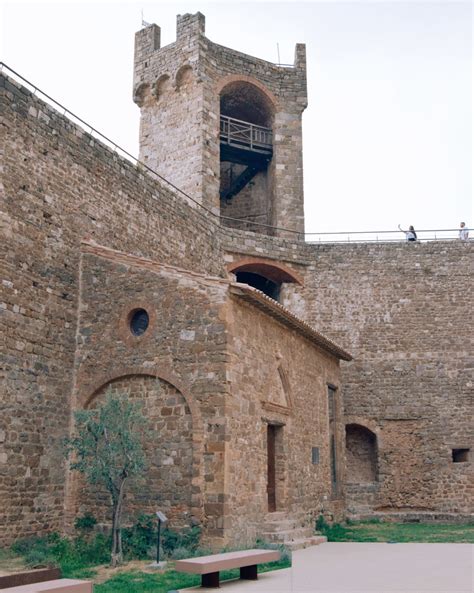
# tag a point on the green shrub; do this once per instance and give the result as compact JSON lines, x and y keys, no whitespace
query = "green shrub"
{"x":321,"y":525}
{"x":188,"y":538}
{"x":139,"y":539}
{"x":85,"y":524}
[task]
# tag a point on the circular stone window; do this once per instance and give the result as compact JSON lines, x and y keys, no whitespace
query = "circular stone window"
{"x":139,"y":321}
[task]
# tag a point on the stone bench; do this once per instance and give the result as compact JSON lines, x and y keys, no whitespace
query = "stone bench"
{"x":210,"y":566}
{"x":42,"y":581}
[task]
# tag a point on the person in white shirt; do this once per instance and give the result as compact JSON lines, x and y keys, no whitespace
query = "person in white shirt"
{"x":463,"y":232}
{"x":410,"y":234}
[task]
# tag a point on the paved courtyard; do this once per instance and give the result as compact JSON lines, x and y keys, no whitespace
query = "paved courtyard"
{"x":367,"y":568}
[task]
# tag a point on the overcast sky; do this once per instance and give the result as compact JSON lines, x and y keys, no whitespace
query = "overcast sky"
{"x":388,"y":130}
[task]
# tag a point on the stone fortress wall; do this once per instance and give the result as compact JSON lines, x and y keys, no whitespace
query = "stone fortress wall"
{"x":60,"y":186}
{"x":403,"y":311}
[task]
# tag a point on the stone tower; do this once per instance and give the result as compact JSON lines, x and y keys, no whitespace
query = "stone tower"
{"x":223,"y":126}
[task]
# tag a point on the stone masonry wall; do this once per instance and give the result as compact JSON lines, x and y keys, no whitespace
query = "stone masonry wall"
{"x":276,"y":378}
{"x":404,"y":311}
{"x":176,"y":368}
{"x":60,"y":185}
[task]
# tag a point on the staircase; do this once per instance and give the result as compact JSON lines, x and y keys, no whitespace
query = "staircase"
{"x":240,"y":182}
{"x":279,"y":528}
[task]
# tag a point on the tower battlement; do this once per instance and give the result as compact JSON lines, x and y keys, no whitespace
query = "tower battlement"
{"x":205,"y":109}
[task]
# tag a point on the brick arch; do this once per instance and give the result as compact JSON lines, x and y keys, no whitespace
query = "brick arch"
{"x":223,"y":82}
{"x":163,"y":374}
{"x":276,"y":272}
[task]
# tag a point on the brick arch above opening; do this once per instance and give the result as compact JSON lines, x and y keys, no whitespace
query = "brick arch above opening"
{"x":102,"y":380}
{"x":223,"y":82}
{"x":275,"y":272}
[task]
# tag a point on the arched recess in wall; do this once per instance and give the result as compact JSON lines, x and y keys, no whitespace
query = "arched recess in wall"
{"x":247,"y":111}
{"x":361,"y":455}
{"x":162,"y":86}
{"x":142,"y":94}
{"x":265,"y":276}
{"x":172,"y":480}
{"x":184,"y":77}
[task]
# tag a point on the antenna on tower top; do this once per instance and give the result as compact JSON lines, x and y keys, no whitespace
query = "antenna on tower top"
{"x":278,"y":52}
{"x":144,"y":23}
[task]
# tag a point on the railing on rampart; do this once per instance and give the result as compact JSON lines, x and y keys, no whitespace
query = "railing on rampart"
{"x":392,"y":236}
{"x":449,"y":234}
{"x":236,"y":132}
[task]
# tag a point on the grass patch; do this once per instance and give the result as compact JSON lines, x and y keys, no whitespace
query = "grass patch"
{"x":142,"y":582}
{"x":371,"y":531}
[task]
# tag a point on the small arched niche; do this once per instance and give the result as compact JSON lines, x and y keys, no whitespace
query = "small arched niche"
{"x":246,"y":151}
{"x":162,"y":86}
{"x":184,"y":77}
{"x":142,"y":94}
{"x":361,"y":455}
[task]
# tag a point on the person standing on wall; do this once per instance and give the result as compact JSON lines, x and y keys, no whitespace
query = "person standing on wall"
{"x":463,"y":232}
{"x":410,"y":234}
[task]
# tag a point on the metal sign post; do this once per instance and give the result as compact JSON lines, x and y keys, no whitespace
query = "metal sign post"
{"x":161,"y":519}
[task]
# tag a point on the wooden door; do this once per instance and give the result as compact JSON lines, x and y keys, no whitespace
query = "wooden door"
{"x":271,"y":480}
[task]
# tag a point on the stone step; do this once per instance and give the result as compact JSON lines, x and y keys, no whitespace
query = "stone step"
{"x":287,"y":535}
{"x":285,"y":525}
{"x":276,"y":516}
{"x":303,"y":543}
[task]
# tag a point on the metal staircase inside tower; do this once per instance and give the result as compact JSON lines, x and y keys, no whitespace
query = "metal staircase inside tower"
{"x":245,"y":144}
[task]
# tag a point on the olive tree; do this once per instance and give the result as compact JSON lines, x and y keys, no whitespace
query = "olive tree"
{"x":107,"y":447}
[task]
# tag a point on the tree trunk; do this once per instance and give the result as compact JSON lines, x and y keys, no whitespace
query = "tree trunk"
{"x":117,"y":554}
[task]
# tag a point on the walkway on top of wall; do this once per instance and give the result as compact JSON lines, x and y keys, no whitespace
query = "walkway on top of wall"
{"x":367,"y":568}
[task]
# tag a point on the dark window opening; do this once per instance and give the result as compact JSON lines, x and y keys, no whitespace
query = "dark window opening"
{"x":460,"y":455}
{"x":333,"y":448}
{"x":315,"y":455}
{"x":139,"y":321}
{"x":268,"y":287}
{"x":331,"y":403}
{"x":333,"y":465}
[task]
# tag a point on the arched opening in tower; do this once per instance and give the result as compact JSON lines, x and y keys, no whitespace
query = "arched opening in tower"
{"x":246,"y":150}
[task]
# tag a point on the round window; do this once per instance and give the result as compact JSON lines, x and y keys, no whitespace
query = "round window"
{"x":139,"y":321}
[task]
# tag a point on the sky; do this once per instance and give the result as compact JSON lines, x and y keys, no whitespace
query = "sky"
{"x":387,"y":135}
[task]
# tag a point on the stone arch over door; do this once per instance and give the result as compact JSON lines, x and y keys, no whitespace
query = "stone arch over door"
{"x":172,"y":481}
